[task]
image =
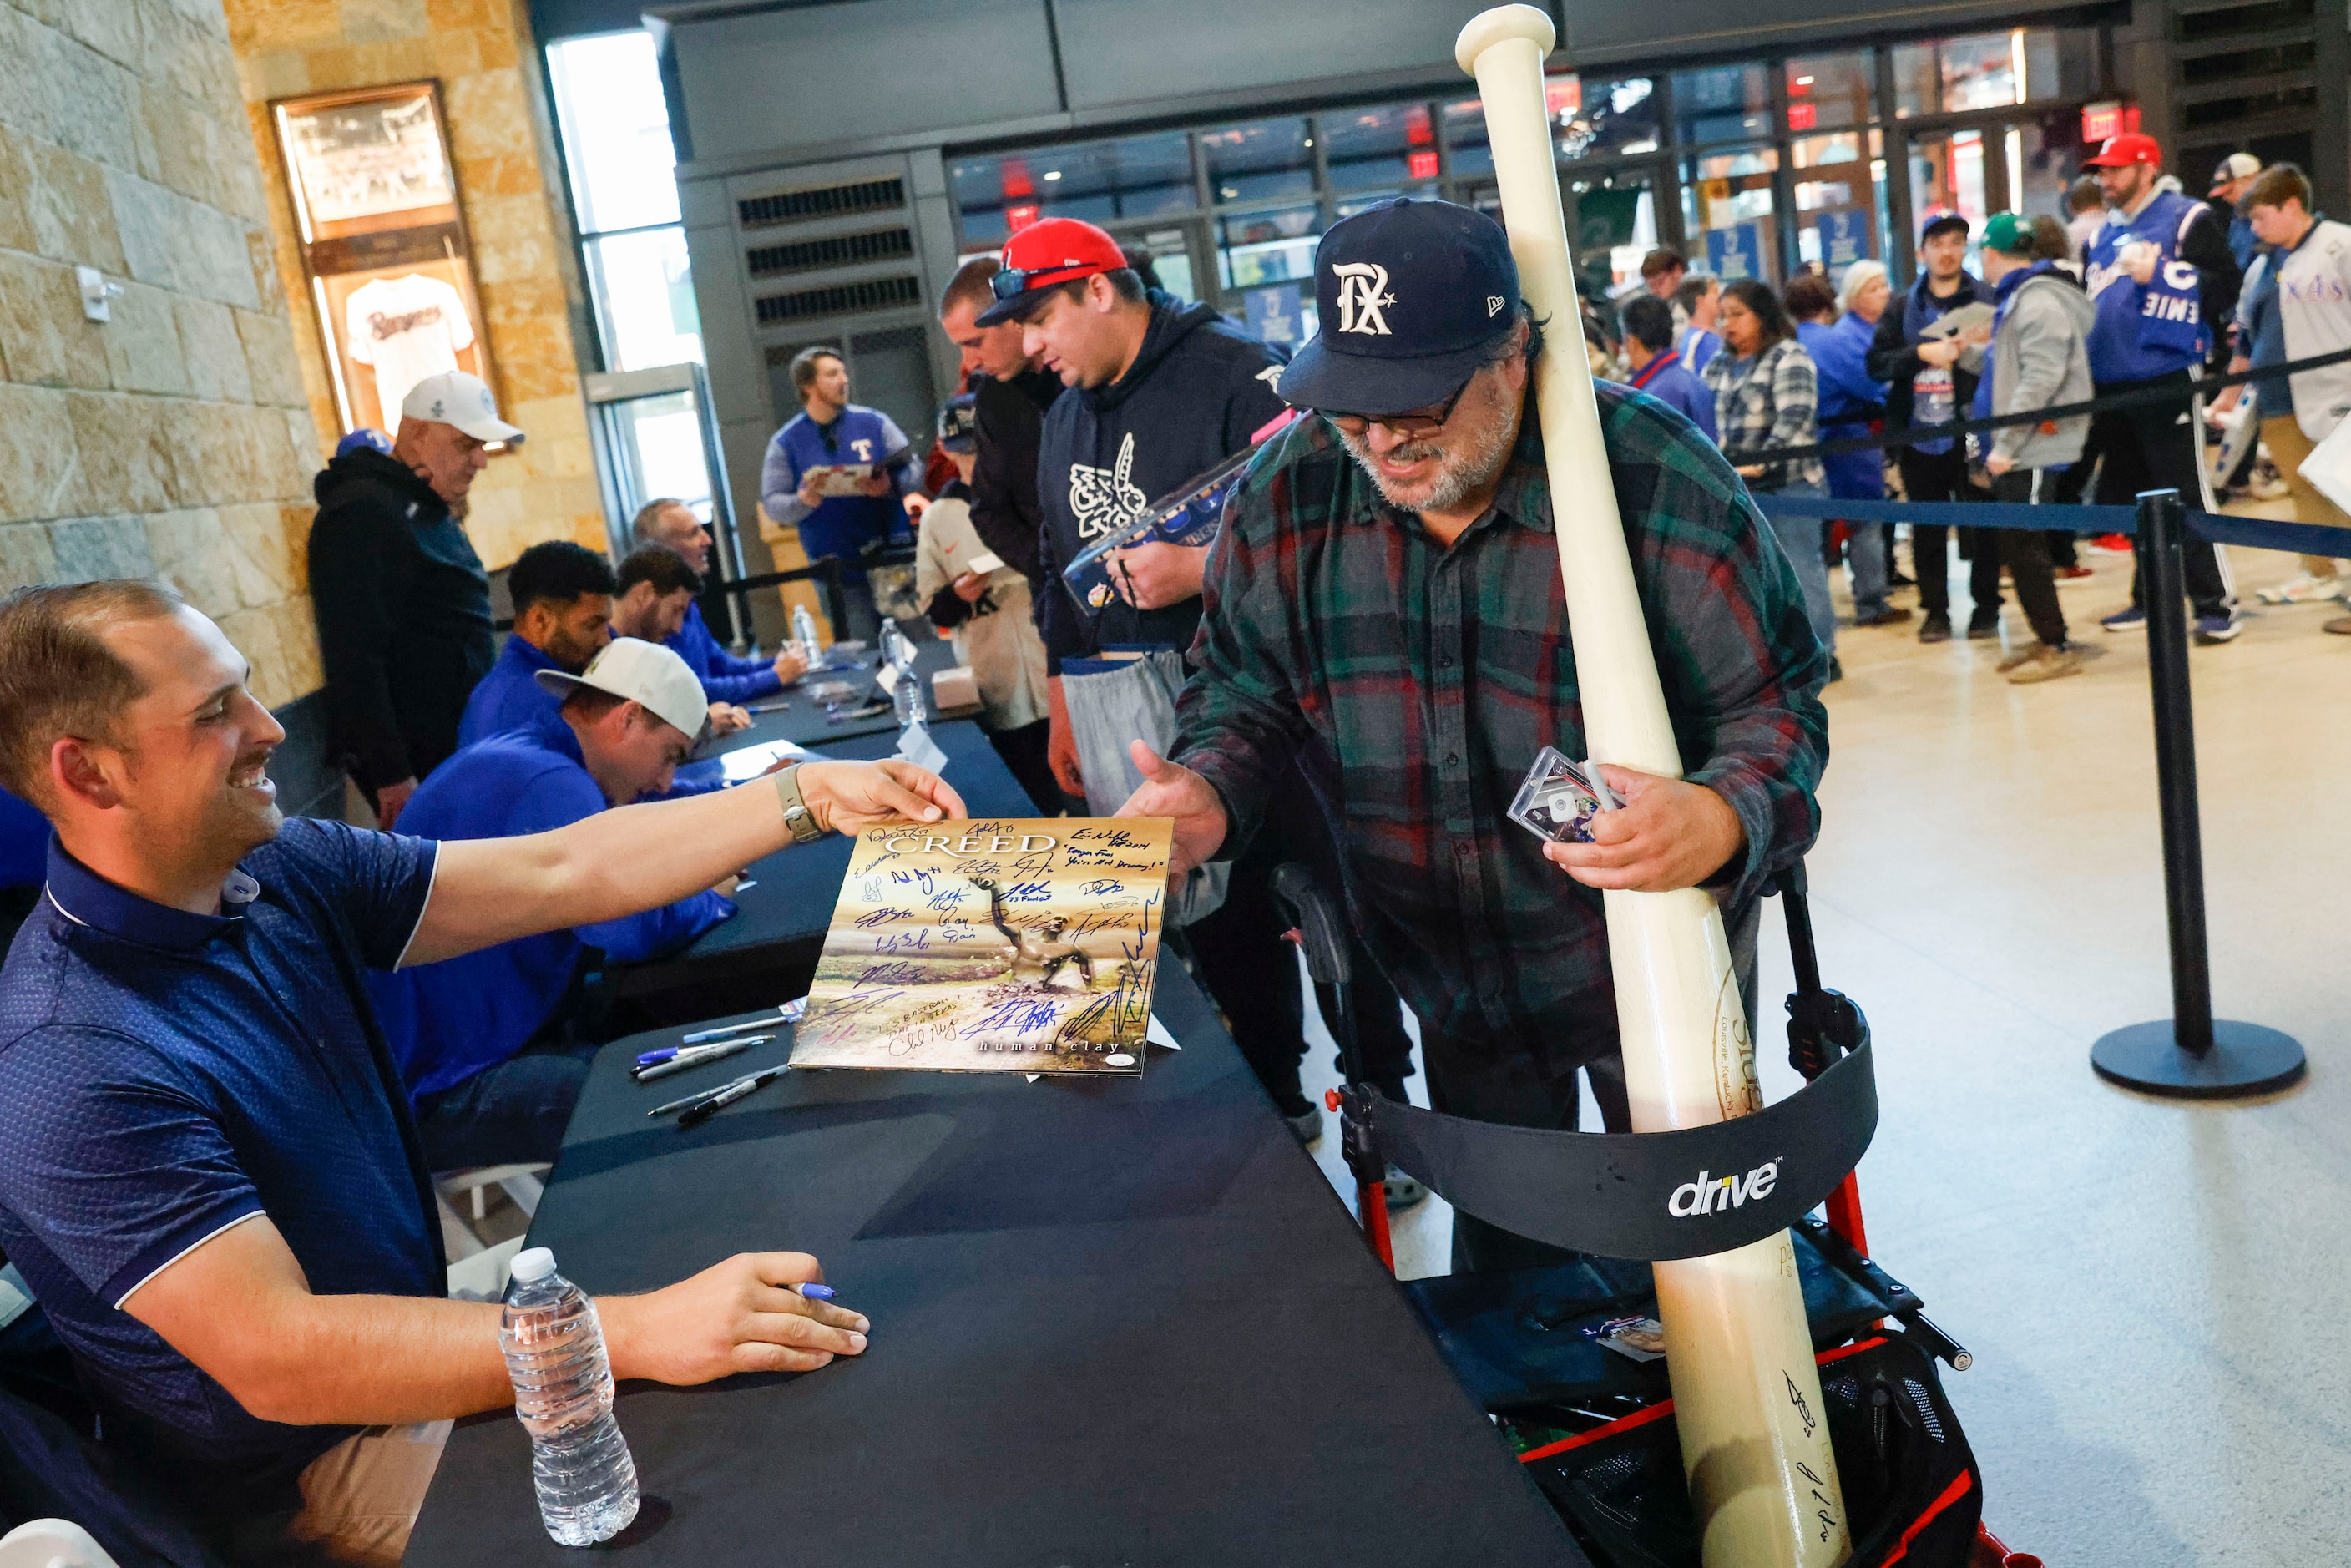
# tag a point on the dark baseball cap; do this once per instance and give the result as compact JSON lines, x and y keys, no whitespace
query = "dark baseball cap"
{"x":1409,"y":296}
{"x":1948,"y":222}
{"x":959,"y":422}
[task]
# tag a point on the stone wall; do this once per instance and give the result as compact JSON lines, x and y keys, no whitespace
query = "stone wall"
{"x":174,"y":441}
{"x":482,"y":54}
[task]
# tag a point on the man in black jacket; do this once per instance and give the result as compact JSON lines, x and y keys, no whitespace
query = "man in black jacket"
{"x":1012,"y":392}
{"x":402,"y":602}
{"x":1929,"y":386}
{"x":1158,"y":391}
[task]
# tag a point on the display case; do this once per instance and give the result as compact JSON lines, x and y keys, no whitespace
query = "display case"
{"x":385,"y":250}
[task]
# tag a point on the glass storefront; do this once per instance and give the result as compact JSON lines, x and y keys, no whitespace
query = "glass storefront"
{"x":1751,"y":168}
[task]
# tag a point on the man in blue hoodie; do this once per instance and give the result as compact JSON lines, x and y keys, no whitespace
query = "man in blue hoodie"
{"x":830,"y":432}
{"x":1656,"y":368}
{"x":483,"y":1041}
{"x":2161,"y":276}
{"x":562,"y":615}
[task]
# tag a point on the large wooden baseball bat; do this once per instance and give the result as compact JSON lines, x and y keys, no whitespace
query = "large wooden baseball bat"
{"x":1747,"y":1395}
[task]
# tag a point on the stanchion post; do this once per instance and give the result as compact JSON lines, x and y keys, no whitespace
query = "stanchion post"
{"x":2190,"y":1054}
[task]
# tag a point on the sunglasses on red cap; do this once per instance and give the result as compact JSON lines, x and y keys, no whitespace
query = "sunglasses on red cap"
{"x":1014,"y":282}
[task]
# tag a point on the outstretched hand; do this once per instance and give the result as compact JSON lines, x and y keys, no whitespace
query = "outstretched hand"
{"x":740,"y":1316}
{"x":848,"y":797}
{"x":1169,"y":790}
{"x":1668,"y":834}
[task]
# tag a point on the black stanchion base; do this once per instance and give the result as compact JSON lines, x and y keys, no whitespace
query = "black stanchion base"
{"x":2245,"y":1060}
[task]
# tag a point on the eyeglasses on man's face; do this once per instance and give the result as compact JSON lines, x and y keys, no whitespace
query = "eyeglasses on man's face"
{"x":1415,"y":425}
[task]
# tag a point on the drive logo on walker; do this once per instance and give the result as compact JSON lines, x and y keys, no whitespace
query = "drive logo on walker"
{"x":1711,"y":1192}
{"x":1363,"y":297}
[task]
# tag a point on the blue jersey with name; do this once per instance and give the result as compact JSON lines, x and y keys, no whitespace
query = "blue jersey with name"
{"x":2152,"y":329}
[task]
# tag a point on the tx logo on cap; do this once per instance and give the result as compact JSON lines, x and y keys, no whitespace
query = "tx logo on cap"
{"x":1362,"y":296}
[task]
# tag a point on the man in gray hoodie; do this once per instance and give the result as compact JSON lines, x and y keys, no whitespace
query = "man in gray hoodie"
{"x":2039,"y":358}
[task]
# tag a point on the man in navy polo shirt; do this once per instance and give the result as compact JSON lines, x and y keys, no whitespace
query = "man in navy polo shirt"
{"x":562,"y":613}
{"x":727,"y":677}
{"x":208,"y":1172}
{"x":830,"y":432}
{"x":483,"y":1040}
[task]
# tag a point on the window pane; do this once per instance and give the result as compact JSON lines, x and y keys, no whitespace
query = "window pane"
{"x":615,"y":127}
{"x":1379,"y":147}
{"x":1838,"y":208}
{"x":1916,"y":87}
{"x":1983,"y":71}
{"x":1100,"y":181}
{"x":1613,"y":220}
{"x":1465,"y":137}
{"x":1728,"y":103}
{"x":1256,"y":162}
{"x":1267,"y":247}
{"x":645,"y":298}
{"x":1946,"y":176}
{"x":1601,"y":117}
{"x":663,"y":450}
{"x":1827,"y":92}
{"x":1726,"y":207}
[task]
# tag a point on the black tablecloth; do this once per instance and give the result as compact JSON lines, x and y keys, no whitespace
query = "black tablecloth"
{"x":1115,"y":1321}
{"x":792,"y":904}
{"x":804,"y":722}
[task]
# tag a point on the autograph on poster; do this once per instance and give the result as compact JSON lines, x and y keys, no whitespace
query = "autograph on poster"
{"x":1017,"y":944}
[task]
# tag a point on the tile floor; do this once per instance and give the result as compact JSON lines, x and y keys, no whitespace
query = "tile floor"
{"x":2159,"y":1377}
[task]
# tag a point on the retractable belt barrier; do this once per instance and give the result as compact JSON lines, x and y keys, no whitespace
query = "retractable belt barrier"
{"x":1650,"y":1195}
{"x":2255,"y":533}
{"x":2143,"y":397}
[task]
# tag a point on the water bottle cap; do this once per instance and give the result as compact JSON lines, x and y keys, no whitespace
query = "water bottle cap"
{"x":533,"y":1263}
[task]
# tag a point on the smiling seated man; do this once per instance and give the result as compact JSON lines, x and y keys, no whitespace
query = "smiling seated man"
{"x":486,"y":1041}
{"x":562,"y":613}
{"x":208,"y":1172}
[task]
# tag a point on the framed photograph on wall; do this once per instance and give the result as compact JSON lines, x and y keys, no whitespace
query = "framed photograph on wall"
{"x":384,"y":249}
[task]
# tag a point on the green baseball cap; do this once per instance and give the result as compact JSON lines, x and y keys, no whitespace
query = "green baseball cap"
{"x":2009,"y":233}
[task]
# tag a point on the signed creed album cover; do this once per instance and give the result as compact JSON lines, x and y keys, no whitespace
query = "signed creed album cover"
{"x":1020,"y":944}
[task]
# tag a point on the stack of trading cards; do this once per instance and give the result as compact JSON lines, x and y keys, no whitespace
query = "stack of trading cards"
{"x":1560,"y":798}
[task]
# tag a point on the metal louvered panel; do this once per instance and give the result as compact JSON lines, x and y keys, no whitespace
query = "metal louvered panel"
{"x":821,"y":201}
{"x":839,"y":250}
{"x":840,"y":299}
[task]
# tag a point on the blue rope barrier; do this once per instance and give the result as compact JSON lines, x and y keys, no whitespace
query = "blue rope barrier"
{"x":2253,"y":533}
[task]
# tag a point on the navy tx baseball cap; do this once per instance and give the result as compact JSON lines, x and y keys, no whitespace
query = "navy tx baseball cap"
{"x":1409,"y":296}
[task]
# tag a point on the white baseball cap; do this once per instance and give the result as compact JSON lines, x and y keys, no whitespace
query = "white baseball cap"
{"x":647,"y":674}
{"x":453,"y":397}
{"x":2236,"y":166}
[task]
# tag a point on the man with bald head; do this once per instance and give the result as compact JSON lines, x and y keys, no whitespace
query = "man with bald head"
{"x":726,"y":677}
{"x":402,"y":602}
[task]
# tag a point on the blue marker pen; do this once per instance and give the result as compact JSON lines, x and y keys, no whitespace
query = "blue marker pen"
{"x":817,"y":1292}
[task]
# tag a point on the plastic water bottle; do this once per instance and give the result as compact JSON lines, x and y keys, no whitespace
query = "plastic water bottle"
{"x":804,"y":633}
{"x":554,"y":1346}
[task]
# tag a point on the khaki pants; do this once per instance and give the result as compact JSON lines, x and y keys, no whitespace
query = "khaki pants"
{"x":2288,"y":446}
{"x":361,"y":1498}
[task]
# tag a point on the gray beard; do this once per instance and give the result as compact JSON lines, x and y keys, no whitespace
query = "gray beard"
{"x":1461,"y":472}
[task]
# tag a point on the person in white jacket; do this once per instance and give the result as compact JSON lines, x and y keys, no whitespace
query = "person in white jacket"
{"x":2296,"y":304}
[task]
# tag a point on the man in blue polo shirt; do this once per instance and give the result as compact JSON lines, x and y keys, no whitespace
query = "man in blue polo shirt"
{"x":483,"y":1041}
{"x":562,"y":613}
{"x":1654,"y":367}
{"x":727,"y":677}
{"x":830,"y":432}
{"x":208,"y":1172}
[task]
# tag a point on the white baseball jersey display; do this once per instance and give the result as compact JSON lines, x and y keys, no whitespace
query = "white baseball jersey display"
{"x":406,"y":329}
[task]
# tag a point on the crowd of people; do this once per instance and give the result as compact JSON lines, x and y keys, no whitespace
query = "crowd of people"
{"x":234,"y":1050}
{"x":2144,"y":289}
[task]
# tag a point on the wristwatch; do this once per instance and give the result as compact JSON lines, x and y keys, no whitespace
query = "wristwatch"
{"x":802,"y":821}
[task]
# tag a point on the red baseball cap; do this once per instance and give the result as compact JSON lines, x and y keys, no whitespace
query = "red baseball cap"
{"x":2121,"y":152}
{"x":1043,"y":255}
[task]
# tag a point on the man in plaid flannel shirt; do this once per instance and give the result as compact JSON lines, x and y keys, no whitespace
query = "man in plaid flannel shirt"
{"x":1385,"y":605}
